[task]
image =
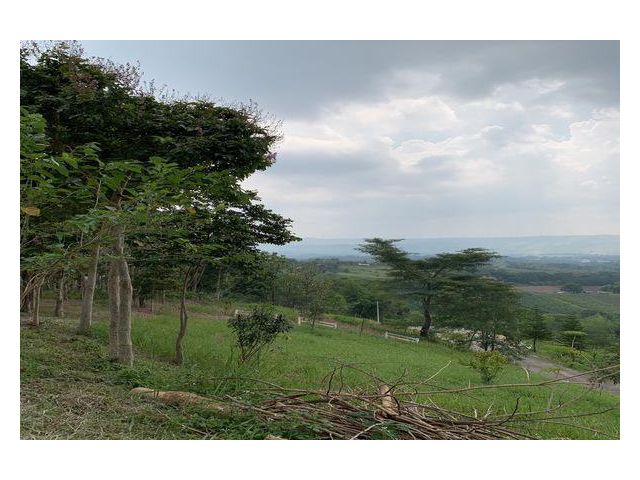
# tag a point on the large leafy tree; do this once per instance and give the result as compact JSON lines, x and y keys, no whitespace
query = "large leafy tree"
{"x":157,"y":156}
{"x":485,"y":306}
{"x":424,"y":278}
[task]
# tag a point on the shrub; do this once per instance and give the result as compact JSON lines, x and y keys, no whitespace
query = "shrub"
{"x":487,"y":364}
{"x":257,"y":330}
{"x":604,"y":359}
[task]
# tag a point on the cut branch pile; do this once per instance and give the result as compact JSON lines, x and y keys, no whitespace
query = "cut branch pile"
{"x":389,"y":413}
{"x":350,"y":416}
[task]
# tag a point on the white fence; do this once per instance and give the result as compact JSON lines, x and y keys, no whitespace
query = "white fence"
{"x":324,"y":323}
{"x":395,"y":336}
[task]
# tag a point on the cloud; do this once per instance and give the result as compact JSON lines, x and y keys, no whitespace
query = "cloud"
{"x":426,"y":161}
{"x":424,"y":138}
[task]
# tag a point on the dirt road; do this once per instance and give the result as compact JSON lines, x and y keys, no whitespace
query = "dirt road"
{"x":537,"y":364}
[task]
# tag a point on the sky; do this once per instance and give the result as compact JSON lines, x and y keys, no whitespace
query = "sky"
{"x":419,"y":139}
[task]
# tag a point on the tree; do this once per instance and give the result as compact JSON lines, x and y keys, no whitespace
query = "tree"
{"x":305,"y":288}
{"x":485,"y":306}
{"x":48,"y":199}
{"x":261,"y":276}
{"x":571,"y":332}
{"x":425,"y":278}
{"x":156,"y":157}
{"x":535,"y":327}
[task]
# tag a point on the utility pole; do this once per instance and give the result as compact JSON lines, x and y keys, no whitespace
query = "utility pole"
{"x":378,"y":311}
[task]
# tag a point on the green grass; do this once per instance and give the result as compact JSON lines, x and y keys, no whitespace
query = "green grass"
{"x":567,"y":303}
{"x":56,"y":363}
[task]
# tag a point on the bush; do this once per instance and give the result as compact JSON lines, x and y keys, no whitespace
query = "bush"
{"x":257,"y":330}
{"x":487,"y":364}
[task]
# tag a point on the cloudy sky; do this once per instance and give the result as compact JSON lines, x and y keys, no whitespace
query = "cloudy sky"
{"x":420,"y":139}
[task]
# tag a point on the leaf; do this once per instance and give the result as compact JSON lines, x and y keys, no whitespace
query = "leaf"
{"x":31,"y":211}
{"x":70,"y":160}
{"x":191,"y":210}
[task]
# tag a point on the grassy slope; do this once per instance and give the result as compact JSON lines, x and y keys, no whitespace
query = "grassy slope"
{"x":69,"y":389}
{"x":566,"y":303}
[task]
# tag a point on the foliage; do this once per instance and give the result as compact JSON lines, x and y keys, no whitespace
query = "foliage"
{"x":425,"y":278}
{"x":305,"y":288}
{"x":485,"y":306}
{"x":535,"y":327}
{"x":487,"y":364}
{"x":104,"y":161}
{"x":601,"y":331}
{"x":572,"y":338}
{"x":257,"y":330}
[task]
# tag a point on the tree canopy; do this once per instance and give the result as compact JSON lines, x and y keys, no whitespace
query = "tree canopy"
{"x":426,"y":277}
{"x":109,"y":161}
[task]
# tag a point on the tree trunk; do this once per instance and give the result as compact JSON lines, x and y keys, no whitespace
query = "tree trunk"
{"x":197,"y":277}
{"x":59,"y":308}
{"x":219,"y":284}
{"x":120,"y":298}
{"x":125,"y":346}
{"x":26,"y":303}
{"x":183,"y":320}
{"x":534,"y":344}
{"x":88,"y":291}
{"x":426,"y":326}
{"x":113,"y":290}
{"x":35,"y":304}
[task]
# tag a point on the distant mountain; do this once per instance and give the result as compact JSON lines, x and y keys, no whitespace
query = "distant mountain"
{"x":570,"y":245}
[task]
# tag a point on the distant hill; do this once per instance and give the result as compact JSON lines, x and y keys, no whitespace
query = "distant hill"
{"x":570,"y":245}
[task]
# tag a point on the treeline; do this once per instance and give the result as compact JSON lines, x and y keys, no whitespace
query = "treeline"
{"x":525,"y":277}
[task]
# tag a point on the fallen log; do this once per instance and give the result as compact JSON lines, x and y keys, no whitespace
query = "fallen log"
{"x":178,"y":399}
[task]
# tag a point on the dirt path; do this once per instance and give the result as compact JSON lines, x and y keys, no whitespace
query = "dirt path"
{"x":535,"y":363}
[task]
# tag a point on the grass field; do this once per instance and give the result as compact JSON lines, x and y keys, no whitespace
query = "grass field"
{"x":567,"y":303}
{"x":70,"y":390}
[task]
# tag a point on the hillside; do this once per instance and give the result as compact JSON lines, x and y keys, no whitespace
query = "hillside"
{"x":70,"y":390}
